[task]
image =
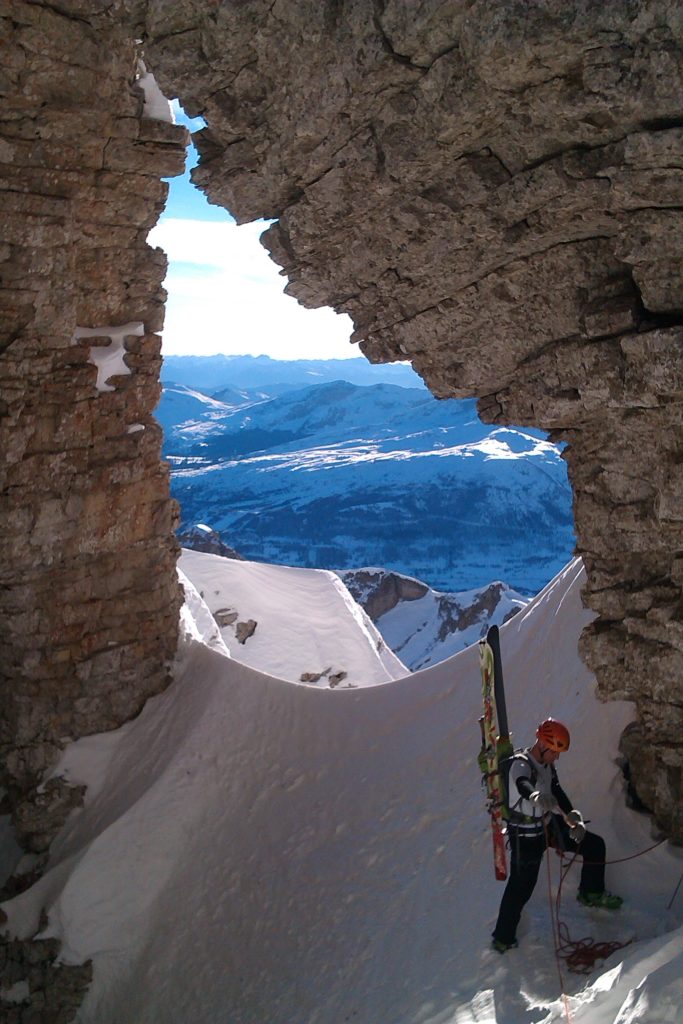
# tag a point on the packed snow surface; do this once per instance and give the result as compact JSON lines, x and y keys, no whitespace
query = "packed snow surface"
{"x":256,"y":851}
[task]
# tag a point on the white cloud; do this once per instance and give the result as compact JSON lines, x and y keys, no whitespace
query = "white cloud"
{"x":225,"y":294}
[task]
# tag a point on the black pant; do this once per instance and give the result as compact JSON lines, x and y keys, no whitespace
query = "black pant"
{"x":526,"y":854}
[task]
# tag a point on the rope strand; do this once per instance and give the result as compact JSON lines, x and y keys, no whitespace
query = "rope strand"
{"x":671,"y":901}
{"x":581,"y":955}
{"x":633,"y":856}
{"x":554,"y":923}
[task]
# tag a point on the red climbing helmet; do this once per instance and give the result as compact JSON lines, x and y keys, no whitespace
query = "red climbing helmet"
{"x":553,"y":735}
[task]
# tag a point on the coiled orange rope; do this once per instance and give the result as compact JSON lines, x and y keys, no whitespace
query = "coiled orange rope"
{"x":579,"y":955}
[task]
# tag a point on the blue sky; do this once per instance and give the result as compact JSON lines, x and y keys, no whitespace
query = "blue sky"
{"x":225,"y":294}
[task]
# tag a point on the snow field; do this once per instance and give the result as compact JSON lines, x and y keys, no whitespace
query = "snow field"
{"x":257,"y":852}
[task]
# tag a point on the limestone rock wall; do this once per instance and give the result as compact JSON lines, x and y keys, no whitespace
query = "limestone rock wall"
{"x":492,"y":190}
{"x":88,"y":591}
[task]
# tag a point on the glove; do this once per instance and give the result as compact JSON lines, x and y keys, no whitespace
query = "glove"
{"x":577,"y":829}
{"x":544,"y":801}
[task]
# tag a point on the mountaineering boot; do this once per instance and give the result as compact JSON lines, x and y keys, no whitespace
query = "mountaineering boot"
{"x":605,"y":900}
{"x":502,"y":947}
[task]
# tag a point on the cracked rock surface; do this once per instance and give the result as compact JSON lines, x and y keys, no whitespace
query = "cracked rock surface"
{"x":88,"y":594}
{"x":494,"y":191}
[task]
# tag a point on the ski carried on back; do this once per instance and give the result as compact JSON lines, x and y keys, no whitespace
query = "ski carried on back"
{"x":495,"y":743}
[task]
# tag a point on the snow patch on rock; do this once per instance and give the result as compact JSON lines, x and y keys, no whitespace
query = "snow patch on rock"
{"x":156,"y":106}
{"x":110,"y":358}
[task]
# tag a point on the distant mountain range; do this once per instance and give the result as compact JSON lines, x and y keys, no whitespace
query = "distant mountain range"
{"x":339,"y":475}
{"x":239,"y":373}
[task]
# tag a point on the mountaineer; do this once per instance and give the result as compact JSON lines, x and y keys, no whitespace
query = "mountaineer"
{"x":543,"y":816}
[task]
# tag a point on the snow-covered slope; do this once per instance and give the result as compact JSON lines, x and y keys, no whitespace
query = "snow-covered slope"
{"x":255,"y":851}
{"x":306,"y":624}
{"x":187,"y":415}
{"x":336,"y":476}
{"x":424,"y":626}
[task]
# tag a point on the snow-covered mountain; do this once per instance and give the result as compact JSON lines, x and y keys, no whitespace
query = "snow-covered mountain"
{"x":336,"y":476}
{"x":257,"y":850}
{"x":423,"y":626}
{"x":200,"y":537}
{"x":181,"y":405}
{"x":252,"y":608}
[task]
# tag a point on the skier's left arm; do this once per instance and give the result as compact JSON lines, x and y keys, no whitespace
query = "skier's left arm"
{"x":573,"y":818}
{"x":563,"y":801}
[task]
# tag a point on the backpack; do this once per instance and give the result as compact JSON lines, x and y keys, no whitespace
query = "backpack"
{"x":508,"y":811}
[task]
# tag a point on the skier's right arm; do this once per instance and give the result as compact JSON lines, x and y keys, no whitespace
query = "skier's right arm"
{"x":525,"y":786}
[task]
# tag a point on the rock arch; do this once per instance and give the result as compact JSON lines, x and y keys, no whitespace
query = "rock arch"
{"x":493,"y":191}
